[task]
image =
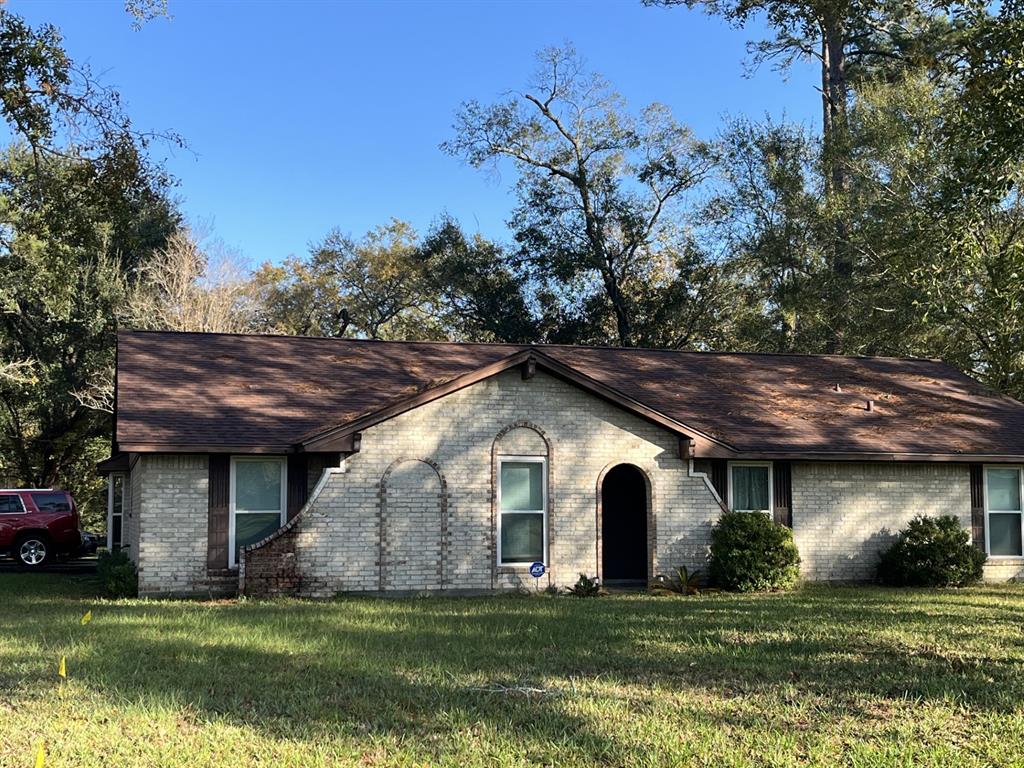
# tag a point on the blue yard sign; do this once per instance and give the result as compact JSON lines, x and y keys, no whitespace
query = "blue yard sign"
{"x":537,"y":570}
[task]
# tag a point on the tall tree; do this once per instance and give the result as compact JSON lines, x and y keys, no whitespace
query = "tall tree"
{"x":597,"y":187}
{"x":81,"y":209}
{"x":852,"y":41}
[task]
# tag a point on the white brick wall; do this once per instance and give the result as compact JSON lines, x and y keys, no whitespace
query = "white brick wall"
{"x":339,"y":536}
{"x":844,"y":514}
{"x":172,"y":504}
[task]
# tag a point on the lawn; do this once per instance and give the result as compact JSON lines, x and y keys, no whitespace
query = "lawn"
{"x":822,"y":676}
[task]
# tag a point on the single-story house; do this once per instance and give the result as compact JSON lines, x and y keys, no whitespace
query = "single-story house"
{"x":313,"y":466}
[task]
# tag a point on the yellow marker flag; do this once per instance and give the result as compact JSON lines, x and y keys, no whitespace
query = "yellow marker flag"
{"x":87,"y":618}
{"x":63,"y":671}
{"x":40,"y":755}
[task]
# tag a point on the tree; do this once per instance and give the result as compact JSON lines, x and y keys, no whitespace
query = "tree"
{"x":988,"y":122}
{"x":391,"y":285}
{"x":373,"y":288}
{"x":766,"y":214}
{"x":478,"y":292}
{"x":50,"y":103}
{"x":852,"y":41}
{"x":183,"y":287}
{"x":596,"y":188}
{"x":81,"y":209}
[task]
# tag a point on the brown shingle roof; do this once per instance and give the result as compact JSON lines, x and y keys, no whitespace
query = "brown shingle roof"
{"x":272,"y":392}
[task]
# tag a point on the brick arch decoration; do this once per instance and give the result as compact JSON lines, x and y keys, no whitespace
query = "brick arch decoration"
{"x":522,"y":424}
{"x":652,"y":518}
{"x":382,"y":514}
{"x":270,"y":567}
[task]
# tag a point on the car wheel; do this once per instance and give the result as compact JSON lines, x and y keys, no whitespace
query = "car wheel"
{"x":32,"y":551}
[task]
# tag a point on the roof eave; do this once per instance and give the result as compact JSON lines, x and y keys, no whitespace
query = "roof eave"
{"x":874,"y":456}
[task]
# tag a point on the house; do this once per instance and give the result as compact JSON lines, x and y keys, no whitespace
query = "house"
{"x":312,"y":466}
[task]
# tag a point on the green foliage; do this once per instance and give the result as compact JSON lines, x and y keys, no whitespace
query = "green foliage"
{"x":682,"y":582}
{"x":932,"y":552}
{"x":391,"y":285}
{"x":116,"y":573}
{"x":585,"y":587}
{"x":750,"y":552}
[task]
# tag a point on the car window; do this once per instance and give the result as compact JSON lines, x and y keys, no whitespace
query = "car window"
{"x":10,"y":504}
{"x":52,"y":502}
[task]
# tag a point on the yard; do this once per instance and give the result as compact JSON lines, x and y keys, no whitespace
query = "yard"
{"x":823,"y":676}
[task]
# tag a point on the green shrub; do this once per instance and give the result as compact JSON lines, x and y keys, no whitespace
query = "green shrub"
{"x":117,"y":574}
{"x":585,"y":587}
{"x":931,"y":552}
{"x":750,"y":552}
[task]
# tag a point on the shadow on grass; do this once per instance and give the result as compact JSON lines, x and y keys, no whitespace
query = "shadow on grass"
{"x":523,"y":666}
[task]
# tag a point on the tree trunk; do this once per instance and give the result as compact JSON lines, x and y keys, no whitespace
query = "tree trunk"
{"x":835,"y":97}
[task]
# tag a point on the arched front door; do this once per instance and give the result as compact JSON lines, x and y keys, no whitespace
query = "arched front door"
{"x":624,"y":525}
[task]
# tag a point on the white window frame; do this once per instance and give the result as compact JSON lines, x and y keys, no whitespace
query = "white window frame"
{"x":235,"y":460}
{"x":984,"y":490}
{"x":543,"y":461}
{"x":110,"y":507}
{"x":771,"y":485}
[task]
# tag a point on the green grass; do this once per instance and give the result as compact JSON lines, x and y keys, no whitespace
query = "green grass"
{"x":822,"y":676}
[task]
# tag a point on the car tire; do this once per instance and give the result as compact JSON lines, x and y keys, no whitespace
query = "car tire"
{"x":33,"y":551}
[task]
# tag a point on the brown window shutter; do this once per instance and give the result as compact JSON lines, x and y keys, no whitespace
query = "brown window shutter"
{"x":978,"y":506}
{"x":782,"y":490}
{"x":298,"y":482}
{"x":217,"y":542}
{"x":720,"y":478}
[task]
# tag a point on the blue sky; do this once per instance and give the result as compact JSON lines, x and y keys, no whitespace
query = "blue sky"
{"x":302,"y":117}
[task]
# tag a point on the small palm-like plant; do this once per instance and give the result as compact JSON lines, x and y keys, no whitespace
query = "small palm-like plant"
{"x":682,"y":583}
{"x":585,"y":587}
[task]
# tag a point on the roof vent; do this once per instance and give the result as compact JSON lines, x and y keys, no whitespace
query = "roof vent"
{"x":871,"y":405}
{"x":838,"y":388}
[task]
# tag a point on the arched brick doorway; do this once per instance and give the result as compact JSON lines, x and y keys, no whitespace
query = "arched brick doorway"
{"x":624,"y":514}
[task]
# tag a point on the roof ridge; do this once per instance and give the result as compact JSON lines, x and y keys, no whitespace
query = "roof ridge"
{"x":533,"y":345}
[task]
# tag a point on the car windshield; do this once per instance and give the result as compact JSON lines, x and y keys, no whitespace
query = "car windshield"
{"x":52,"y":502}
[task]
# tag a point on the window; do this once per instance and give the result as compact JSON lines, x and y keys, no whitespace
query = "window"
{"x":52,"y":502}
{"x":257,"y":501}
{"x":115,"y":510}
{"x":750,"y":486}
{"x":10,"y":504}
{"x":1003,"y":511}
{"x":523,"y":503}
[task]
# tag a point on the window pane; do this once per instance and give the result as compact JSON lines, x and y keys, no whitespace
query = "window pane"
{"x":521,"y":485}
{"x":1004,"y":534}
{"x":10,"y":505}
{"x":251,"y":528}
{"x":115,"y":532}
{"x":522,"y":538}
{"x":1003,"y":489}
{"x":52,"y":502}
{"x":258,"y":485}
{"x":750,"y":488}
{"x":118,"y":496}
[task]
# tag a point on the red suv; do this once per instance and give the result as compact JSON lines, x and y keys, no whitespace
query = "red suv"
{"x":38,"y":523}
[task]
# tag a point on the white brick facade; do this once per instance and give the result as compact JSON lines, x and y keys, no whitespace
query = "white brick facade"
{"x":171,"y":507}
{"x":844,"y":514}
{"x":339,"y":543}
